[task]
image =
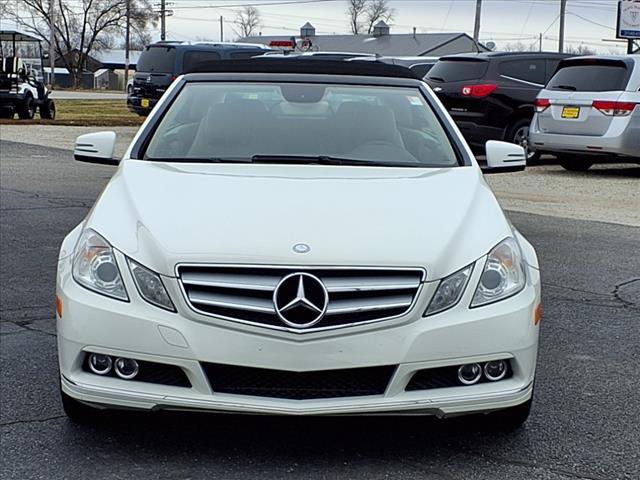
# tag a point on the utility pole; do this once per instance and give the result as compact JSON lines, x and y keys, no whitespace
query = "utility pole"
{"x":127,"y":37}
{"x":540,"y":43}
{"x":52,"y":48}
{"x":163,"y":22}
{"x":221,"y":28}
{"x":476,"y":27}
{"x":563,"y":9}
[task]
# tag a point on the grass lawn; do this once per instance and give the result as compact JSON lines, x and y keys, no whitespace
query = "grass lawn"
{"x":99,"y":113}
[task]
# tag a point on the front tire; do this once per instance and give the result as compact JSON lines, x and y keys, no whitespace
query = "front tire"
{"x":27,"y":110}
{"x":48,"y":110}
{"x":511,"y":418}
{"x":518,"y":133}
{"x":77,"y":411}
{"x":574,"y":164}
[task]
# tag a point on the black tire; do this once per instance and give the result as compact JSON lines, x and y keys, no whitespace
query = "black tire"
{"x":78,"y":412}
{"x":574,"y":164}
{"x":48,"y":110}
{"x":27,"y":110}
{"x":509,"y":419}
{"x":518,"y":133}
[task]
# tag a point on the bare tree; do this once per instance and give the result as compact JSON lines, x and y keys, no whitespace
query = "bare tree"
{"x":248,"y":21}
{"x":84,"y":27}
{"x":377,"y":10}
{"x":356,"y":11}
{"x":520,"y":47}
{"x":580,"y":50}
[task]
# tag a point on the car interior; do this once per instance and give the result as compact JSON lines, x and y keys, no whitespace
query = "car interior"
{"x":307,"y":120}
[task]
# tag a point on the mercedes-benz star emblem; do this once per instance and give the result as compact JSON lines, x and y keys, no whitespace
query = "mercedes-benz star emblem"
{"x":301,"y":248}
{"x":300,"y":300}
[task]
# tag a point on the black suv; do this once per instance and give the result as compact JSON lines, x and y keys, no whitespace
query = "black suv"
{"x":161,"y":63}
{"x":491,"y":95}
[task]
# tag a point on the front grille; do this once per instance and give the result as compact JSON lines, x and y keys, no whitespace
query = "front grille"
{"x":246,"y":294}
{"x":261,"y":382}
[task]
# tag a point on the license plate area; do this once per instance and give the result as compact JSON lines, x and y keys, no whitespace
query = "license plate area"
{"x":144,"y":103}
{"x":570,"y":112}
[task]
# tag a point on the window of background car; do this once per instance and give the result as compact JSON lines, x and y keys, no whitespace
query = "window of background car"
{"x":458,"y":70}
{"x":223,"y":120}
{"x":589,"y":76}
{"x":192,"y":58}
{"x":157,"y":59}
{"x":245,"y":53}
{"x":527,"y":70}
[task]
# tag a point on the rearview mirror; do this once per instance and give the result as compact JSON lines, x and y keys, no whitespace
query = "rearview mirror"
{"x":96,"y":148}
{"x":504,"y":157}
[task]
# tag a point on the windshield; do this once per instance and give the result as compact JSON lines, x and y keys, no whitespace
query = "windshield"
{"x":299,"y":122}
{"x":458,"y":70}
{"x":590,"y":77}
{"x":157,"y":59}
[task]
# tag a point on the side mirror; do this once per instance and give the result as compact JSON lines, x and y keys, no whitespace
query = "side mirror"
{"x":504,"y":157}
{"x":96,"y":148}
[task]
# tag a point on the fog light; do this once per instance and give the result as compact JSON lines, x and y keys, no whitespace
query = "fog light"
{"x":470,"y":373}
{"x":126,"y":368}
{"x":100,"y":364}
{"x":495,"y":370}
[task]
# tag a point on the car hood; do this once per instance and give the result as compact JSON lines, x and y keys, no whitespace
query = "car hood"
{"x":163,"y":214}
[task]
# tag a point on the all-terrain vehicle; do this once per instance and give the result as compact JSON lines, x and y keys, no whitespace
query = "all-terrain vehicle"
{"x":22,"y":88}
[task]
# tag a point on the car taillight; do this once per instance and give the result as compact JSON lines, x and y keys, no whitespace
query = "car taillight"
{"x":479,"y":91}
{"x":614,"y":109}
{"x":173,"y":78}
{"x":541,"y":104}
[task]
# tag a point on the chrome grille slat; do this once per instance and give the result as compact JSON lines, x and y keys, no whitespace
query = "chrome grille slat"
{"x":248,"y":282}
{"x":245,"y":293}
{"x":232,"y":301}
{"x":364,"y":284}
{"x":368,"y":305}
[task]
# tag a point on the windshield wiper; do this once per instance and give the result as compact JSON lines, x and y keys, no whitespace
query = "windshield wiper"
{"x":328,"y":160}
{"x":202,"y":160}
{"x":565,"y":87}
{"x":437,"y":79}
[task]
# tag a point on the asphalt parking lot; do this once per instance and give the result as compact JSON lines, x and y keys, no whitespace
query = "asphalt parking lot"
{"x":585,"y":417}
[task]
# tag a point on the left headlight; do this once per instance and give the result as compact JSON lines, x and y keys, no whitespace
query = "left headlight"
{"x":95,"y":266}
{"x":503,"y":275}
{"x":150,"y":286}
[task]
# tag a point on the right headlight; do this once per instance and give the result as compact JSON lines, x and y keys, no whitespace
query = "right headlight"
{"x":95,"y":267}
{"x":503,"y":275}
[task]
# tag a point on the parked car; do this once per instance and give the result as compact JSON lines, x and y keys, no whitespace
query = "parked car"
{"x":491,"y":95}
{"x":420,"y":66}
{"x":337,"y":252}
{"x":590,"y":112}
{"x":161,"y":63}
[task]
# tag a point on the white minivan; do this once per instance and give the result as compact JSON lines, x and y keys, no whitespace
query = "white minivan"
{"x":589,"y":112}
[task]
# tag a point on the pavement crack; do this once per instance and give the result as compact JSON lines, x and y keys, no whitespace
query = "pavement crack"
{"x":610,"y":300}
{"x":532,"y":464}
{"x":32,"y":420}
{"x":26,"y":325}
{"x":616,"y":292}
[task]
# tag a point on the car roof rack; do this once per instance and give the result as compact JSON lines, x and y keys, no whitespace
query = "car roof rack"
{"x":304,"y":66}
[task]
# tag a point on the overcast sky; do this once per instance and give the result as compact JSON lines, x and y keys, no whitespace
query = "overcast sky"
{"x":503,"y":21}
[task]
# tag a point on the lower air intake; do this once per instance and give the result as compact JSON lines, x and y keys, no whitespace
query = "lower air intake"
{"x":261,"y":382}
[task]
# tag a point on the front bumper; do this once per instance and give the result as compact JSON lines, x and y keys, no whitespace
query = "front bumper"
{"x":622,"y":140}
{"x":93,"y":323}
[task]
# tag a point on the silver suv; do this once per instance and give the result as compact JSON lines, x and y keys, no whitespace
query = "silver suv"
{"x":590,"y":112}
